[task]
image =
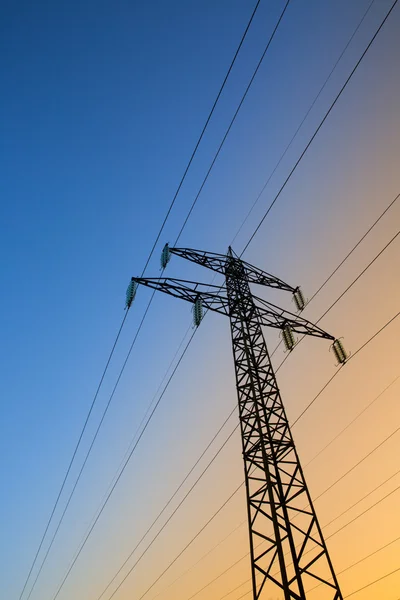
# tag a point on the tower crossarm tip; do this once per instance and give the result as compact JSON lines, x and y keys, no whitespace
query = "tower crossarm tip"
{"x":256,"y":275}
{"x":211,"y":260}
{"x":273,"y":316}
{"x":212,"y":296}
{"x":217,"y":262}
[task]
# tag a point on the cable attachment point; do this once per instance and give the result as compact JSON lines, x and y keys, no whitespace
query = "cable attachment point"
{"x":130,"y":293}
{"x":340,"y":353}
{"x":197,"y":311}
{"x":288,"y":338}
{"x":165,"y":256}
{"x":298,"y":299}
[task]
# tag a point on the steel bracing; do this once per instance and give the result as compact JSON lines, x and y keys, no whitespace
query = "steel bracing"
{"x":287,"y":548}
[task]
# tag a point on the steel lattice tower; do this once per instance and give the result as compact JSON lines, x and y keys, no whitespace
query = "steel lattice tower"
{"x":287,"y":548}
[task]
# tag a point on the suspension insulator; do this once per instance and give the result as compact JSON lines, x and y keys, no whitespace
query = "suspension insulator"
{"x":339,"y":351}
{"x":299,"y":299}
{"x":197,"y":311}
{"x":288,"y":338}
{"x":165,"y":256}
{"x":131,"y":293}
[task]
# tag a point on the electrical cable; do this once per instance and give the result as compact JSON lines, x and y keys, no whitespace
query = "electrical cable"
{"x":354,"y":248}
{"x":239,"y":487}
{"x":358,"y":562}
{"x":193,"y":539}
{"x":309,"y":143}
{"x":319,"y":127}
{"x":123,"y":469}
{"x":372,"y":582}
{"x":202,"y":558}
{"x":363,"y":559}
{"x":195,"y":201}
{"x":353,"y":420}
{"x":134,"y":438}
{"x":364,"y":270}
{"x":123,"y":322}
{"x":348,"y":360}
{"x":334,"y":304}
{"x":327,"y":537}
{"x":200,"y":138}
{"x":233,"y":119}
{"x":345,"y":259}
{"x":172,"y":497}
{"x":348,"y":79}
{"x":73,"y":457}
{"x":87,"y":457}
{"x":326,"y":524}
{"x":303,"y":120}
{"x":336,"y":373}
{"x":360,"y":275}
{"x":170,"y":517}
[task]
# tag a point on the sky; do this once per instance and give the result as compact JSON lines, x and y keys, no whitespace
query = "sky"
{"x":101,"y":107}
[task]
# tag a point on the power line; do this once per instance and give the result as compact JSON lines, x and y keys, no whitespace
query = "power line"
{"x":170,"y":517}
{"x":346,"y":258}
{"x":354,"y":420}
{"x":333,"y":104}
{"x":338,"y":530}
{"x":339,"y":298}
{"x":322,"y":123}
{"x":170,"y":500}
{"x":239,"y":487}
{"x":123,"y":322}
{"x":319,"y":126}
{"x":200,"y":138}
{"x":364,"y":512}
{"x":357,"y":64}
{"x":340,"y":572}
{"x":233,"y":119}
{"x":86,"y":459}
{"x":329,"y":381}
{"x":202,"y":558}
{"x":193,"y":539}
{"x":339,"y":370}
{"x":336,"y":269}
{"x":328,"y":537}
{"x":325,"y":525}
{"x":134,"y":438}
{"x":123,"y":469}
{"x":193,"y":204}
{"x":373,"y":582}
{"x":303,"y":120}
{"x":361,"y":560}
{"x":73,"y":457}
{"x":354,"y":248}
{"x":360,"y":274}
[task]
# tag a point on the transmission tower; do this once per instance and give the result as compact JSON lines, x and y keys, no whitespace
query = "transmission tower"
{"x":287,"y":548}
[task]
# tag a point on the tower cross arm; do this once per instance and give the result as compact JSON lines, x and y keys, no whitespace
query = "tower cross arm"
{"x":217,"y":262}
{"x":211,"y":296}
{"x":211,"y":260}
{"x":256,"y":275}
{"x":273,"y":316}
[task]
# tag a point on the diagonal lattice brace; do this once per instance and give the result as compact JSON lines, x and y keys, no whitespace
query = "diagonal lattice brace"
{"x":214,"y":298}
{"x":216,"y":262}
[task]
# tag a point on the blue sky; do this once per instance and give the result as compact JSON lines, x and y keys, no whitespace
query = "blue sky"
{"x":101,"y":106}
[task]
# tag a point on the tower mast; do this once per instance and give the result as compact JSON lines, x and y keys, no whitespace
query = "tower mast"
{"x":288,"y":552}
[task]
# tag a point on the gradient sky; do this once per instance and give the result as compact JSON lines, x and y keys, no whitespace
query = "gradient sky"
{"x":101,"y":106}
